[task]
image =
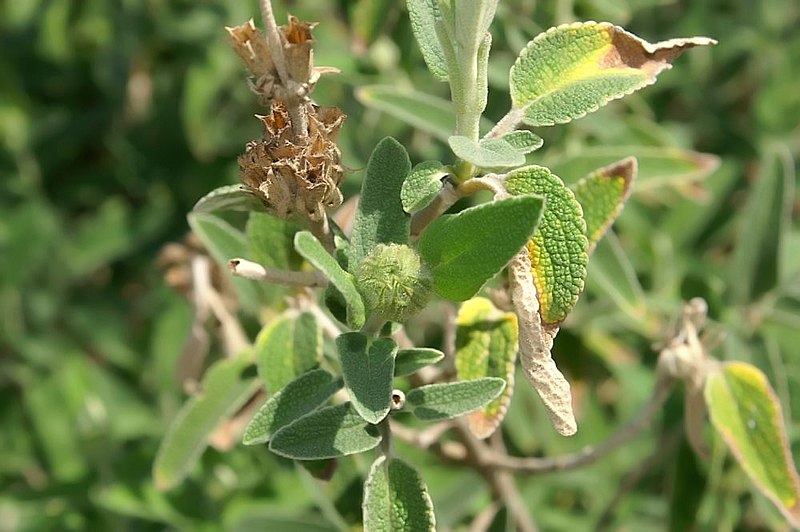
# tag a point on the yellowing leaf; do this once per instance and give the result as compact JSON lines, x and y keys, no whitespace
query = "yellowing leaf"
{"x":558,"y":247}
{"x":486,"y":346}
{"x":602,"y":195}
{"x":574,"y":69}
{"x":746,"y":413}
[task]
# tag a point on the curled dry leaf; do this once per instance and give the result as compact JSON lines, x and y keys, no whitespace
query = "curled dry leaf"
{"x":535,"y":342}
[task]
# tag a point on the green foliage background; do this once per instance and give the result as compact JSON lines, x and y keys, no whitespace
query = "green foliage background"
{"x":116,"y":116}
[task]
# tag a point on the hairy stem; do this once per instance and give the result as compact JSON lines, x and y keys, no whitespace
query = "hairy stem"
{"x":257,"y":272}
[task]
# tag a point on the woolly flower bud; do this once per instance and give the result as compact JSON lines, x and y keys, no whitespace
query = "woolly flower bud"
{"x":394,"y":282}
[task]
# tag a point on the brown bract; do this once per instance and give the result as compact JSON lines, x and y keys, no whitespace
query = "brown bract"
{"x":296,"y":174}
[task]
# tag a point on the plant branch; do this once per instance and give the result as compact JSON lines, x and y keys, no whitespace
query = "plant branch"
{"x":508,"y":123}
{"x":257,"y":272}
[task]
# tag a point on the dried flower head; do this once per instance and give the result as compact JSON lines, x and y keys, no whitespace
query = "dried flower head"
{"x":296,"y":174}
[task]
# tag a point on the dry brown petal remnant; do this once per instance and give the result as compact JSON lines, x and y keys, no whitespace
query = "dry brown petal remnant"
{"x":296,"y":175}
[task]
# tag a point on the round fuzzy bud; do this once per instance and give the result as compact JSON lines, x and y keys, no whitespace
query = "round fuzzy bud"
{"x":394,"y":282}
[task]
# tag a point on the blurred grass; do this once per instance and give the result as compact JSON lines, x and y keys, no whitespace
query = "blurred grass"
{"x":115,"y":117}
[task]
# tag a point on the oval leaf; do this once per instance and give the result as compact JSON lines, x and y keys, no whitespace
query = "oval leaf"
{"x":424,"y":15}
{"x":558,"y":248}
{"x":396,"y":498}
{"x":287,"y":347}
{"x":226,"y":386}
{"x":522,"y":140}
{"x":229,"y":198}
{"x":602,"y":195}
{"x":380,"y":218}
{"x":408,"y":361}
{"x":422,"y":185}
{"x":453,"y":399}
{"x":467,"y":249}
{"x":486,"y":346}
{"x":296,"y":399}
{"x":311,"y":249}
{"x":368,"y":369}
{"x":326,"y":433}
{"x":574,"y":69}
{"x":493,"y":153}
{"x":745,"y":412}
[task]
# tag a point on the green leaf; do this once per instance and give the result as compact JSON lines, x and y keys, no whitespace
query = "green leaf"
{"x":225,"y":242}
{"x":287,"y":347}
{"x":467,"y":249}
{"x":523,"y":141}
{"x":433,"y":115}
{"x":745,"y":412}
{"x":293,"y":401}
{"x":453,"y":399}
{"x":311,"y":249}
{"x":396,"y":498}
{"x":494,"y":153}
{"x":326,"y":433}
{"x":602,"y":195}
{"x":486,"y":346}
{"x":271,"y":241}
{"x":226,"y":387}
{"x":408,"y":361}
{"x":368,"y":368}
{"x":755,"y":264}
{"x":558,"y":248}
{"x":574,"y":69}
{"x":424,"y":14}
{"x":380,"y":218}
{"x":422,"y":185}
{"x":229,"y":198}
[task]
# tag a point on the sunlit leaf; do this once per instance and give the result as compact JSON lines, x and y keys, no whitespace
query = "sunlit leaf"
{"x":424,"y":15}
{"x":410,"y":360}
{"x":574,"y":69}
{"x":494,"y":153}
{"x":467,"y":249}
{"x":229,"y":198}
{"x":746,"y":412}
{"x":558,"y":247}
{"x":422,"y":185}
{"x":486,"y":346}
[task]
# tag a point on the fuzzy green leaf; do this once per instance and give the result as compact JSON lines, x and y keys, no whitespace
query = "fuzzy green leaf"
{"x":226,"y":386}
{"x":380,"y":218}
{"x":287,"y":347}
{"x":424,"y":15}
{"x":559,"y":247}
{"x":467,"y":249}
{"x":229,"y":198}
{"x":271,"y":241}
{"x":486,"y":346}
{"x":523,"y":141}
{"x":422,"y":185}
{"x":326,"y":433}
{"x":433,"y":115}
{"x":225,"y":242}
{"x":745,"y":412}
{"x":368,"y":368}
{"x":494,"y":153}
{"x":311,"y":249}
{"x":453,"y":399}
{"x":602,"y":195}
{"x":296,"y":399}
{"x":574,"y":69}
{"x":396,"y":499}
{"x":408,"y":361}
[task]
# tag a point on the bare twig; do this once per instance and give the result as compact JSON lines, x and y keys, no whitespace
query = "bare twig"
{"x":233,"y":335}
{"x":257,"y":272}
